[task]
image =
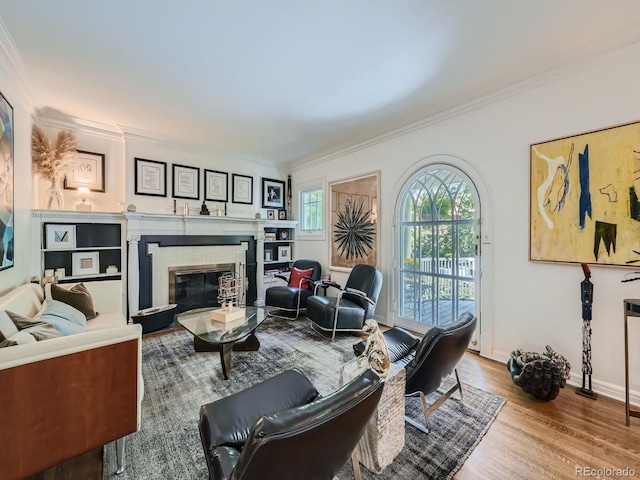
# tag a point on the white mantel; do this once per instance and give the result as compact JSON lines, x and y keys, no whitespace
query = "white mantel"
{"x":137,"y":224}
{"x":165,"y":224}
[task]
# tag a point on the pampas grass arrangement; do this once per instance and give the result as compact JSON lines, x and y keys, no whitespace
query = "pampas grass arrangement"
{"x":52,"y":161}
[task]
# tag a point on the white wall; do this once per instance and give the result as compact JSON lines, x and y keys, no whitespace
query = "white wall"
{"x":524,"y":304}
{"x":136,"y":147}
{"x":11,"y":88}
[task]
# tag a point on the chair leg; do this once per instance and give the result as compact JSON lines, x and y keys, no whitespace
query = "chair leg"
{"x":120,"y":455}
{"x":458,"y":382}
{"x":356,"y":464}
{"x":428,"y":409}
{"x":335,"y":317}
{"x":425,"y":411}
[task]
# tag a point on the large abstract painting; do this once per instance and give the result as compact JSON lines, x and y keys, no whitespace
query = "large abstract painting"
{"x":584,"y":198}
{"x":6,"y":183}
{"x":354,"y":222}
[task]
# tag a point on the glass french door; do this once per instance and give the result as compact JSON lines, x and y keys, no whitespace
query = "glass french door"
{"x":438,"y":258}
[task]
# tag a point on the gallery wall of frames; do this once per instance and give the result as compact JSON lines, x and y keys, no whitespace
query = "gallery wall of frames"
{"x":190,"y":183}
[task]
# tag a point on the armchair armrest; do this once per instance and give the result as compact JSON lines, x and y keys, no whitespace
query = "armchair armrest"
{"x":281,"y":277}
{"x":359,"y":293}
{"x":222,"y":460}
{"x":326,"y":284}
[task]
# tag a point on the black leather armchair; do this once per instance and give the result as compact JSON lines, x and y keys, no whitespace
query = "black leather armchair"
{"x":286,"y":301}
{"x":430,"y":360}
{"x":353,"y":305}
{"x":282,"y":428}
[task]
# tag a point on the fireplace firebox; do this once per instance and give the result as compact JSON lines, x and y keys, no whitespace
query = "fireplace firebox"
{"x":192,"y":287}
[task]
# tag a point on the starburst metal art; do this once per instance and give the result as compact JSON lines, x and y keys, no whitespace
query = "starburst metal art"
{"x":354,"y":231}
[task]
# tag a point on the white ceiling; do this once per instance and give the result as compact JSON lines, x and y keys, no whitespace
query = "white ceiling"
{"x":280,"y":80}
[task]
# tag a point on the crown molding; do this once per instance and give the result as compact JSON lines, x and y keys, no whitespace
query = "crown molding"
{"x":411,"y":124}
{"x":55,"y":119}
{"x":139,"y":135}
{"x":15,"y":69}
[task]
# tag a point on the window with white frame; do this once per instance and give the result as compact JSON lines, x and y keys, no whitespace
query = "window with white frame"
{"x":311,"y":210}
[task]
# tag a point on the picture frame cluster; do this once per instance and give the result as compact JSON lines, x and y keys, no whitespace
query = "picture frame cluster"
{"x":151,"y":180}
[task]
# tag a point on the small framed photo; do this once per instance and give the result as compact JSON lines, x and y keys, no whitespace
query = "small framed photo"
{"x":271,"y":214}
{"x":60,"y":237}
{"x":87,"y":171}
{"x":150,"y":177}
{"x":284,"y":253}
{"x":215,"y":186}
{"x":186,"y":182}
{"x":273,"y":193}
{"x":283,"y":234}
{"x":85,"y":263}
{"x":282,"y":214}
{"x":242,"y":189}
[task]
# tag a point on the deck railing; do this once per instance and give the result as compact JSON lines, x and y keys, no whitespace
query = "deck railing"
{"x":466,"y":266}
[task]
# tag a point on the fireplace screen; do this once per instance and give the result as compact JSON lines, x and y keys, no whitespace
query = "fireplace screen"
{"x":196,"y":286}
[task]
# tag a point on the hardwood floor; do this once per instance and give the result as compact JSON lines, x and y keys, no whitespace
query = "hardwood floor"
{"x":529,"y":439}
{"x":532,"y":439}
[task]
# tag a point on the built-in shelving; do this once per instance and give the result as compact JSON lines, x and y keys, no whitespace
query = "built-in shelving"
{"x":278,"y":246}
{"x":80,"y":244}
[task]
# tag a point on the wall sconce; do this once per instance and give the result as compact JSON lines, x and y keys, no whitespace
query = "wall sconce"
{"x":83,"y":192}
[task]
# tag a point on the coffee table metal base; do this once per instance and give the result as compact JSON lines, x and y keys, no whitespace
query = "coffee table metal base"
{"x":248,"y":344}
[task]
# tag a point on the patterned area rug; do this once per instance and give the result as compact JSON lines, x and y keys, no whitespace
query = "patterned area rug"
{"x":178,"y":381}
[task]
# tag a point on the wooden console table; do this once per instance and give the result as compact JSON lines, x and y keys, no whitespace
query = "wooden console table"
{"x":631,"y":309}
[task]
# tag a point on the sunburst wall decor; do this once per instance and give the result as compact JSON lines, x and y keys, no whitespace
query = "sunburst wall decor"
{"x":354,"y":222}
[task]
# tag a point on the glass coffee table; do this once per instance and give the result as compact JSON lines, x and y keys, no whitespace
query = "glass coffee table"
{"x":213,"y":336}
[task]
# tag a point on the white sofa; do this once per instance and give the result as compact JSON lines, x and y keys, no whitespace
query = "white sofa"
{"x":65,"y":396}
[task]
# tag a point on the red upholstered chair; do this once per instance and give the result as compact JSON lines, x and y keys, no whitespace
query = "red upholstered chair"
{"x":286,"y":301}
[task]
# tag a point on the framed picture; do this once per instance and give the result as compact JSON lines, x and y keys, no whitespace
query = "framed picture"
{"x":150,"y":177}
{"x":242,"y":189}
{"x":271,"y":214}
{"x":186,"y":182}
{"x":60,"y":237}
{"x":584,"y":198}
{"x":354,"y":226}
{"x":85,"y":263}
{"x":273,"y":193}
{"x":284,"y":253}
{"x":215,"y":186}
{"x":87,"y":171}
{"x":282,"y":214}
{"x":6,"y":183}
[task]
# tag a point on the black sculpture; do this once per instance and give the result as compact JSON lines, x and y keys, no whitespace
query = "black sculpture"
{"x":540,"y":374}
{"x":586,"y":295}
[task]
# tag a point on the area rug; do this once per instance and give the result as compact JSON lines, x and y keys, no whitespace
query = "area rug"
{"x":178,"y":381}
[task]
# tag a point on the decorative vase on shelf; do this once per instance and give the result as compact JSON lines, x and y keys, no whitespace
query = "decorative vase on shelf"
{"x":56,"y":200}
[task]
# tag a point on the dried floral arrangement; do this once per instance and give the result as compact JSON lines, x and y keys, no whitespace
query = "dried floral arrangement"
{"x":52,"y":161}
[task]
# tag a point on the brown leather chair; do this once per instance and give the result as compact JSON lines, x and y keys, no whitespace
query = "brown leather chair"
{"x":282,"y":428}
{"x":430,"y":360}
